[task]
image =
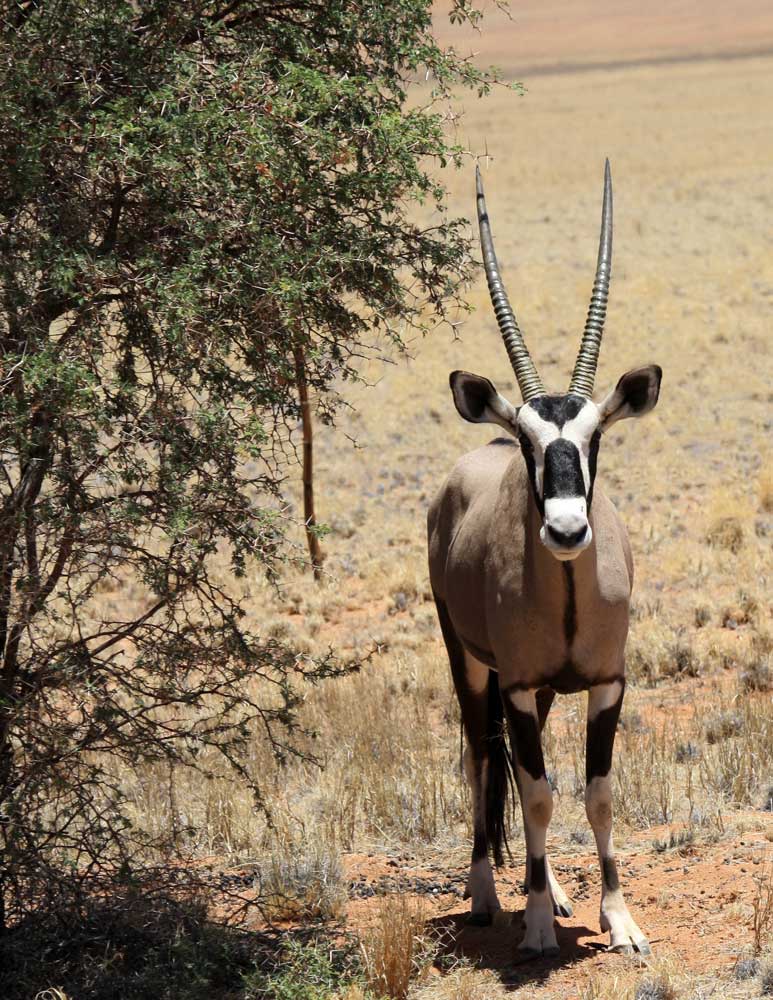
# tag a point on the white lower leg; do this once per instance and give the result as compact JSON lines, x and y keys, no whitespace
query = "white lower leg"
{"x":624,"y":935}
{"x":537,"y":805}
{"x":540,"y":933}
{"x":614,"y":917}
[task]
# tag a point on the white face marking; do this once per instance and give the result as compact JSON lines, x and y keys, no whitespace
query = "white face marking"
{"x":564,"y":516}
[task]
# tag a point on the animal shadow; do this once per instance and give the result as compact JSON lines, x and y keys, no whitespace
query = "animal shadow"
{"x":495,"y":947}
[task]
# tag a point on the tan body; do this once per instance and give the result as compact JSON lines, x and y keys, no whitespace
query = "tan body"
{"x":508,"y":597}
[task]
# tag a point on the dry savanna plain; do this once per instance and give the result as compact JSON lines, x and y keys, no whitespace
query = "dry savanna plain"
{"x":374,"y":846}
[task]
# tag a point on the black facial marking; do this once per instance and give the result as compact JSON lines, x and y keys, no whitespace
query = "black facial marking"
{"x":538,"y":878}
{"x":558,"y":409}
{"x":526,"y":740}
{"x":563,"y":473}
{"x":570,"y":609}
{"x":593,"y":454}
{"x":528,"y":456}
{"x":601,"y":740}
{"x":609,"y":874}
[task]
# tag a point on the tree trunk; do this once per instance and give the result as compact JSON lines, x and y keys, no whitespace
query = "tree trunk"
{"x":309,"y":516}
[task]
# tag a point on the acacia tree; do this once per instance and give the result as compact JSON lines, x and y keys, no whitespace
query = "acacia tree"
{"x":202,"y":204}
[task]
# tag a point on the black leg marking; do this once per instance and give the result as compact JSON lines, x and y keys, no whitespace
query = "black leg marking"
{"x":538,"y":878}
{"x":570,"y":611}
{"x":601,"y":739}
{"x":526,"y":739}
{"x":609,"y":874}
{"x":483,"y":722}
{"x":545,"y":697}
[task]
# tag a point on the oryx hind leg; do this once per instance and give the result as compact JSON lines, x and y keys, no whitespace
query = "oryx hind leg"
{"x":604,"y":704}
{"x":537,"y":803}
{"x":478,"y":694}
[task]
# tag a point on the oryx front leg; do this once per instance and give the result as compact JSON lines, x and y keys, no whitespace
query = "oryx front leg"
{"x":537,"y":804}
{"x":604,"y":703}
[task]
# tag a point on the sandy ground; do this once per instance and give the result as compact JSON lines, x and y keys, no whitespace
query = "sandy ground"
{"x":537,"y":36}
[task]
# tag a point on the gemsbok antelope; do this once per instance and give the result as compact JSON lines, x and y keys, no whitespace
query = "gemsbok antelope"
{"x":531,"y":571}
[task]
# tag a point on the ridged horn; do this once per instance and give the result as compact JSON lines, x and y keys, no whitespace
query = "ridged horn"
{"x":529,"y":381}
{"x":584,"y":373}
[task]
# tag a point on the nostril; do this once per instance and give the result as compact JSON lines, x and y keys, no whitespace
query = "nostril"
{"x":567,"y":539}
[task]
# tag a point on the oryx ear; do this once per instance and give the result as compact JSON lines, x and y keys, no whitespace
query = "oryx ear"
{"x":478,"y":401}
{"x":634,"y":395}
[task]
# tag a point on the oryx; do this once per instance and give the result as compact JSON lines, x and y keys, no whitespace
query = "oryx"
{"x":531,"y":571}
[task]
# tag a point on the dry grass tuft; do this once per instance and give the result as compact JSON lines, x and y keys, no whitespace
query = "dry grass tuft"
{"x":762,"y":910}
{"x":766,"y":979}
{"x":655,"y":988}
{"x":765,"y":488}
{"x":726,"y":532}
{"x":738,"y":764}
{"x":656,"y":652}
{"x":395,"y":950}
{"x":463,"y":983}
{"x":757,"y":674}
{"x":308,"y":886}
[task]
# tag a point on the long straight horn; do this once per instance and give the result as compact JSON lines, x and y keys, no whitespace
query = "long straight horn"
{"x":529,"y":381}
{"x":588,"y":356}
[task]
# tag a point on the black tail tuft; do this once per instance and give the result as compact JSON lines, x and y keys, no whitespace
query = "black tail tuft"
{"x":500,"y":773}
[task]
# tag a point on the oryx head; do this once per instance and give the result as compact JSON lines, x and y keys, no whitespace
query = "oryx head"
{"x":559,"y":433}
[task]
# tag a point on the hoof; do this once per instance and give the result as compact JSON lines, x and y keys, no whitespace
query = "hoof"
{"x":480,"y":920}
{"x":641,"y":947}
{"x":533,"y":954}
{"x":562,"y":909}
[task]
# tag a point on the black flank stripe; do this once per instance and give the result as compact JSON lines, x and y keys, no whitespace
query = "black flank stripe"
{"x":570,"y":610}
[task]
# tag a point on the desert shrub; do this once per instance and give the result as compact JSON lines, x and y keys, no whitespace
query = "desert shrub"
{"x":305,"y":972}
{"x":203,"y":224}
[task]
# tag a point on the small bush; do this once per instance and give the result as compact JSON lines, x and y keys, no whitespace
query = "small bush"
{"x":306,"y":973}
{"x":305,"y":887}
{"x":722,"y":727}
{"x":746,"y":968}
{"x":726,"y":533}
{"x":678,"y":840}
{"x":702,"y":615}
{"x":654,"y":988}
